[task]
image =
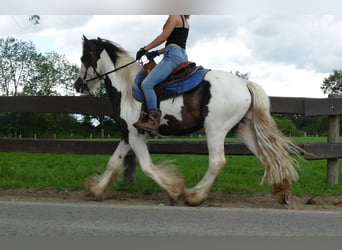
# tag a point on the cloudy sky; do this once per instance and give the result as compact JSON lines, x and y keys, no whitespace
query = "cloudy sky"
{"x":287,"y":54}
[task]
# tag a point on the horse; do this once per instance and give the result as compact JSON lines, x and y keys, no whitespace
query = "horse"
{"x":221,"y":103}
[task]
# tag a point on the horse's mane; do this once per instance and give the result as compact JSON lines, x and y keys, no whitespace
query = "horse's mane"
{"x":119,"y":56}
{"x":114,"y":50}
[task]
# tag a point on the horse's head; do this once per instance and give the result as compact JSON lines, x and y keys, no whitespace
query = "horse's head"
{"x":88,"y":77}
{"x":92,"y":68}
{"x":101,"y":59}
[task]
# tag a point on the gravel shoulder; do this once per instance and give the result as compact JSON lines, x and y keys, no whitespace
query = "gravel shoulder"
{"x":216,"y":199}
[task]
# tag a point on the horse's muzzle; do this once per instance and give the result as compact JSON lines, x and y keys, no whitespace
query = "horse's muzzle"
{"x":81,"y":86}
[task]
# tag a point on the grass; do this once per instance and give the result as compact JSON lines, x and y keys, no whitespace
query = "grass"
{"x":39,"y":171}
{"x":69,"y":171}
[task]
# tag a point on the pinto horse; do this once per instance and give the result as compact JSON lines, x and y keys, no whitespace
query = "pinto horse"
{"x":220,"y":103}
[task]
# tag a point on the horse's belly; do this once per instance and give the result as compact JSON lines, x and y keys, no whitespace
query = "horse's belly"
{"x":180,"y":118}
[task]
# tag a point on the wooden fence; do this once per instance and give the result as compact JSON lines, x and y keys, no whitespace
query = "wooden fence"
{"x":331,"y":107}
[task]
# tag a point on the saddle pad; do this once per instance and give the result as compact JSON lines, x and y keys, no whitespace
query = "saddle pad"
{"x":173,"y":89}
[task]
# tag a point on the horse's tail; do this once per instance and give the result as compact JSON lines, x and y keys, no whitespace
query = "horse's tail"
{"x":271,"y":147}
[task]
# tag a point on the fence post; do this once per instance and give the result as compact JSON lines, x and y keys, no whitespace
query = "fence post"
{"x":333,"y":137}
{"x":130,"y":168}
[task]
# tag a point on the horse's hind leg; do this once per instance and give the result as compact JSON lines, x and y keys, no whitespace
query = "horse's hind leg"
{"x":97,"y":185}
{"x":217,"y":160}
{"x":247,"y":135}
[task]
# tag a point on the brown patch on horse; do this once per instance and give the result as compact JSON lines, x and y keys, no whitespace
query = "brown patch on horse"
{"x":194,"y":111}
{"x":282,"y":191}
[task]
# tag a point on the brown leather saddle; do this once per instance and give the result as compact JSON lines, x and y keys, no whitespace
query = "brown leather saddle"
{"x":180,"y":73}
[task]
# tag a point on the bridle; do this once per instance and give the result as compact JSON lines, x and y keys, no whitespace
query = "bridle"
{"x":100,"y":76}
{"x":84,"y":84}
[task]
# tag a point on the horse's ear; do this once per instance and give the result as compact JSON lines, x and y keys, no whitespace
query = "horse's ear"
{"x":99,"y":39}
{"x":86,"y":42}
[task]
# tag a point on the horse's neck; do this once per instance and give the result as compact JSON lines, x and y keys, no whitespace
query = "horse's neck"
{"x":122,"y":80}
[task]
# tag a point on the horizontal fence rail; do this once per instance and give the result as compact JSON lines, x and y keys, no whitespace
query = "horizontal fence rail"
{"x":313,"y":151}
{"x":57,"y":104}
{"x":86,"y":105}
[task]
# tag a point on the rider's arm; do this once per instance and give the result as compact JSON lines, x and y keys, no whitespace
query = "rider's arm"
{"x":168,"y":28}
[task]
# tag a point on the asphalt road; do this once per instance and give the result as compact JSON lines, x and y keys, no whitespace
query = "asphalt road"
{"x":18,"y":218}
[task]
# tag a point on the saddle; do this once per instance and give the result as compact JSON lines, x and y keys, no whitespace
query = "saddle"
{"x":183,"y":71}
{"x":184,"y":78}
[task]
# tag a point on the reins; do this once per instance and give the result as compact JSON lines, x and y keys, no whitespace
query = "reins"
{"x":109,"y":72}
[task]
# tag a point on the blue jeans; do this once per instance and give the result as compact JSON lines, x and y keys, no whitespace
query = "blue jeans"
{"x":173,"y":56}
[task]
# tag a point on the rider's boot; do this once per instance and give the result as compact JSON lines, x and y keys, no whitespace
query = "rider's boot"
{"x":150,"y":124}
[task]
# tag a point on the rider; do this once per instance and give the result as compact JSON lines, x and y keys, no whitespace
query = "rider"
{"x":175,"y":33}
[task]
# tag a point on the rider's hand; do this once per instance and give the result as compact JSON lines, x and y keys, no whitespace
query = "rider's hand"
{"x":140,"y":53}
{"x":152,"y":54}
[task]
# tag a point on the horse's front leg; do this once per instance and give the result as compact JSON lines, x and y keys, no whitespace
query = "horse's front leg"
{"x":97,"y":185}
{"x":164,"y":174}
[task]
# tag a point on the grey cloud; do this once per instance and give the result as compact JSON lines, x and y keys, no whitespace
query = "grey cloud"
{"x":300,"y":40}
{"x":306,"y":41}
{"x":61,"y":22}
{"x":12,"y":25}
{"x":303,"y":40}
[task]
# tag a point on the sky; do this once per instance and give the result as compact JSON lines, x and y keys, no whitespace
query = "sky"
{"x":287,"y":54}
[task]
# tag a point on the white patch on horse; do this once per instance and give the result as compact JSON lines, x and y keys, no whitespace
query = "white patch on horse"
{"x":172,"y":107}
{"x":227,"y":90}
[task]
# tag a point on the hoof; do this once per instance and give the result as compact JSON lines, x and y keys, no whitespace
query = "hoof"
{"x":193,"y":204}
{"x":283,"y":199}
{"x":281,"y":192}
{"x":191,"y":199}
{"x":176,"y":199}
{"x":175,"y":202}
{"x":91,"y":197}
{"x":91,"y":186}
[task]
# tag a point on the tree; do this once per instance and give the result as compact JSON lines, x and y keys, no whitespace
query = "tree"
{"x":333,"y":83}
{"x":286,"y":125}
{"x":242,"y":75}
{"x":52,"y":75}
{"x":37,"y":74}
{"x":23,"y":71}
{"x":16,"y":60}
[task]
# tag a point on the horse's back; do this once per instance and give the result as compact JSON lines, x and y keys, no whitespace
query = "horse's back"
{"x":229,"y":93}
{"x":221,"y":101}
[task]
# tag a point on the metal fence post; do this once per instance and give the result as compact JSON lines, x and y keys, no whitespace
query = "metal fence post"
{"x":333,"y":137}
